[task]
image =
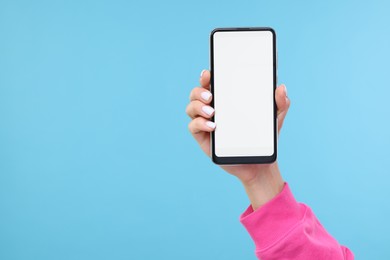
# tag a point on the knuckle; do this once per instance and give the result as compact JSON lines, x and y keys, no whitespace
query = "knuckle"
{"x":194,"y":93}
{"x":193,"y":126}
{"x":188,"y":109}
{"x":190,"y":126}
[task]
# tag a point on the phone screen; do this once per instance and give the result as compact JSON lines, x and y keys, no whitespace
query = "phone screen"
{"x":243,"y":88}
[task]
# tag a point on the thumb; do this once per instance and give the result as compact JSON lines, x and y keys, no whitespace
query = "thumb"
{"x":282,"y":103}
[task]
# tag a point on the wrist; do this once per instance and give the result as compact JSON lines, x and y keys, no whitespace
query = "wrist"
{"x":264,"y":186}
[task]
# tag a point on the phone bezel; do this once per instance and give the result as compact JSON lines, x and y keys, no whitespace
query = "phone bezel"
{"x":244,"y":159}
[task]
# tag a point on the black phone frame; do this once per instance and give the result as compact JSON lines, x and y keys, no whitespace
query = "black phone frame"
{"x":232,"y":160}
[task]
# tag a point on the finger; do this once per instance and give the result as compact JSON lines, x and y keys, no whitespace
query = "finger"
{"x":205,"y":79}
{"x":197,"y":108}
{"x":201,"y":94}
{"x":201,"y":124}
{"x":282,"y":103}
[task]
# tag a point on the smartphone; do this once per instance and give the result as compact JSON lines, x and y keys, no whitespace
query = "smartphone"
{"x":243,"y":83}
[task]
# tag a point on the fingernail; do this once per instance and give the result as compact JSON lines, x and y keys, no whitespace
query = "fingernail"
{"x":285,"y":93}
{"x":208,"y":110}
{"x":201,"y":74}
{"x":205,"y":95}
{"x":210,"y":124}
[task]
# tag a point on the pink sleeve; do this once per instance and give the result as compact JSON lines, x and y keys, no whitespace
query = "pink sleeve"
{"x":286,"y":229}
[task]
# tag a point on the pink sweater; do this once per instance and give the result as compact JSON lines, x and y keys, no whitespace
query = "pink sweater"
{"x":286,"y":229}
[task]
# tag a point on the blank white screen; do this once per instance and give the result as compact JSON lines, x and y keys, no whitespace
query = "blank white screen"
{"x":243,"y":93}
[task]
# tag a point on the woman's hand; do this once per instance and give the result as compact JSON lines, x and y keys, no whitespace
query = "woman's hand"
{"x":262,"y":182}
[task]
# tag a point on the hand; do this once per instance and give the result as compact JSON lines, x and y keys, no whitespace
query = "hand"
{"x":261,"y":181}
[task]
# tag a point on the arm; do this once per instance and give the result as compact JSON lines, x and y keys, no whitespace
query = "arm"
{"x":280,"y":227}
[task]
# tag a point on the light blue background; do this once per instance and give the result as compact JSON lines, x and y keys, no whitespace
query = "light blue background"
{"x":96,"y":161}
